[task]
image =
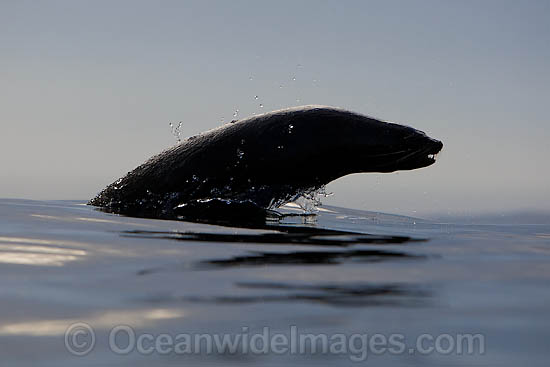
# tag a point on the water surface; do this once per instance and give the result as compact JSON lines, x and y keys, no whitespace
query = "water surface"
{"x":346,"y":273}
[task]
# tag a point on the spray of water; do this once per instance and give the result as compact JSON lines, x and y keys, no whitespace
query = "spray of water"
{"x":176,"y":130}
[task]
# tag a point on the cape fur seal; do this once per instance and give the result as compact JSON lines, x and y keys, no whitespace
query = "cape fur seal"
{"x":264,"y":161}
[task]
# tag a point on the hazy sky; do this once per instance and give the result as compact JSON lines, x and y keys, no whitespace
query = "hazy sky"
{"x":88,"y":89}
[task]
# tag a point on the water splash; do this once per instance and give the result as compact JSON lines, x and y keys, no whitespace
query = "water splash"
{"x":310,"y":200}
{"x":176,"y":130}
{"x":117,"y":185}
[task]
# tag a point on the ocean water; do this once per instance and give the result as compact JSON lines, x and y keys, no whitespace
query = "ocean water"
{"x":79,"y":287}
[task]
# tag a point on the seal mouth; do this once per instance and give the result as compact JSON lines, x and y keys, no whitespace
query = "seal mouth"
{"x":428,"y":155}
{"x":421,"y":154}
{"x":418,"y":157}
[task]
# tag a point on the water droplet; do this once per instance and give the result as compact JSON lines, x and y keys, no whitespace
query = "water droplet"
{"x":240,"y":153}
{"x":236,"y":113}
{"x":298,"y":100}
{"x":176,"y":131}
{"x":293,"y":78}
{"x":250,"y":77}
{"x":280,"y":146}
{"x":261,"y":105}
{"x":117,"y":185}
{"x":256,"y":97}
{"x":290,"y":127}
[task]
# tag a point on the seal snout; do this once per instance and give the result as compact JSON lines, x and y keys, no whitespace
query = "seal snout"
{"x":434,"y":146}
{"x":421,"y":151}
{"x":431,"y":150}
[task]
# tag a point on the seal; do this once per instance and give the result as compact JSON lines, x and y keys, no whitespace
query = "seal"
{"x":262,"y":162}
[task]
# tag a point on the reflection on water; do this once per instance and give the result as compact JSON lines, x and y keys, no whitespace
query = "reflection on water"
{"x":299,"y":235}
{"x":106,"y":319}
{"x":87,"y":219}
{"x":289,"y":236}
{"x":345,"y":295}
{"x":334,"y":252}
{"x":310,"y":258}
{"x":30,"y":251}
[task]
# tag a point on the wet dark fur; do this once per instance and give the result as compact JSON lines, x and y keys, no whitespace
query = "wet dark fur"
{"x":264,"y":161}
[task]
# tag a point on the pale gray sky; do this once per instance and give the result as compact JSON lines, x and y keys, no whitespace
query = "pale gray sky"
{"x":88,"y":89}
